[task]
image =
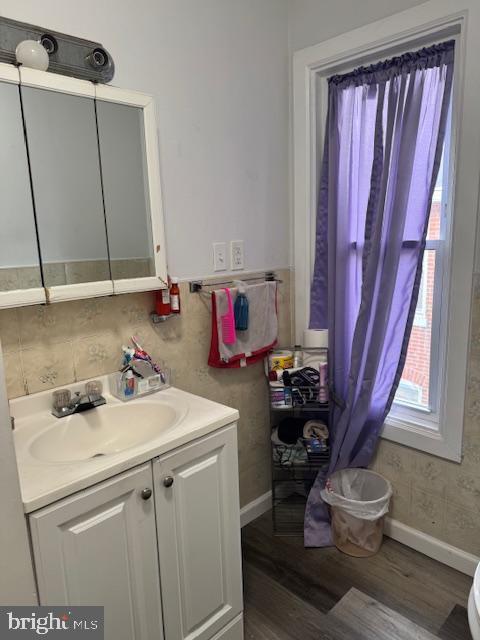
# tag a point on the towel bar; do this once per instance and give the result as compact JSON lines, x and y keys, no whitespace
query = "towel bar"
{"x":196,"y":286}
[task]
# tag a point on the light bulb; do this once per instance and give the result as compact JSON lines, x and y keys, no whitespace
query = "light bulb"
{"x":31,"y":53}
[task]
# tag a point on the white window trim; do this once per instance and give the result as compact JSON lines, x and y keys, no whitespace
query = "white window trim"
{"x":420,"y":319}
{"x":428,"y":22}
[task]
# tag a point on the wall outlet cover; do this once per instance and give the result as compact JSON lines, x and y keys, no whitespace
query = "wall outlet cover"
{"x":237,"y":261}
{"x":219,"y":256}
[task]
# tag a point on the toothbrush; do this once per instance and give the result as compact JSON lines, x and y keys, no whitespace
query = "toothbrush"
{"x":141,"y":354}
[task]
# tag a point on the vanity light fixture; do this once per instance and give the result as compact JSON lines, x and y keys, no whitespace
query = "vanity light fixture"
{"x":33,"y":54}
{"x":67,"y":55}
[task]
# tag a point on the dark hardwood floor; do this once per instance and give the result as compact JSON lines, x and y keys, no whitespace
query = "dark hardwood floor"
{"x":323,"y":594}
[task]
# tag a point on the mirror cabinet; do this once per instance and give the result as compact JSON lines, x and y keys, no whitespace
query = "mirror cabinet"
{"x":20,"y":272}
{"x":80,"y":200}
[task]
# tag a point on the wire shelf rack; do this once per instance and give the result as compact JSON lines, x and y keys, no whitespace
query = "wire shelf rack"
{"x":295,"y":465}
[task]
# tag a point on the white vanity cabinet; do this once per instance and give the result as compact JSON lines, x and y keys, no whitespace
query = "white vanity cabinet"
{"x":196,"y":498}
{"x":99,"y":547}
{"x":175,"y":523}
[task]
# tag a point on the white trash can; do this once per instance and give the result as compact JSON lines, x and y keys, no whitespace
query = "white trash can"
{"x":359,"y":500}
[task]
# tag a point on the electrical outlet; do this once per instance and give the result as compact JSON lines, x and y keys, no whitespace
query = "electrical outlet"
{"x":236,"y":255}
{"x":219,"y":256}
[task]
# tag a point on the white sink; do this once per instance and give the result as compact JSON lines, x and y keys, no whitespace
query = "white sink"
{"x":106,"y":430}
{"x":59,"y":456}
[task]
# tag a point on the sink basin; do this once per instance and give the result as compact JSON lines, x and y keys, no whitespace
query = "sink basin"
{"x":102,"y":431}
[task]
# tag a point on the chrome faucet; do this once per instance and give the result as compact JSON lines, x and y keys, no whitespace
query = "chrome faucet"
{"x":64,"y":405}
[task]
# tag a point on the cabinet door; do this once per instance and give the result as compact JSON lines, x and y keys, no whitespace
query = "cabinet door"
{"x":99,"y":548}
{"x":61,"y":132}
{"x":131,"y":187}
{"x":198,"y":524}
{"x":20,"y":276}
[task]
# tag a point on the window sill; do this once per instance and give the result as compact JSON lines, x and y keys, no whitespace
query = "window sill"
{"x":422,"y":435}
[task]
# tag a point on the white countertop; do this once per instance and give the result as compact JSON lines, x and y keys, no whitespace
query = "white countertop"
{"x":44,"y":482}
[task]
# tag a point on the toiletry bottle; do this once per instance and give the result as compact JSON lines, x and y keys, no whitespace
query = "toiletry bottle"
{"x":162,"y":303}
{"x":323,"y":381}
{"x":175,"y":296}
{"x":129,"y":388}
{"x":298,"y":356}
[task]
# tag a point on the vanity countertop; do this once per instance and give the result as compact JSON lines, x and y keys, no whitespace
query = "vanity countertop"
{"x":47,"y":478}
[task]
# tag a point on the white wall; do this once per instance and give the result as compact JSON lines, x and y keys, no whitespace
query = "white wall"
{"x":218,"y":72}
{"x":312,"y":21}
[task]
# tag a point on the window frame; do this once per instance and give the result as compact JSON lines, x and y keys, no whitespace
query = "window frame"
{"x":432,"y":21}
{"x":420,"y":319}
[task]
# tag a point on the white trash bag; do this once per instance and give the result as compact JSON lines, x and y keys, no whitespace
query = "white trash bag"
{"x":359,"y":499}
{"x":360,"y":492}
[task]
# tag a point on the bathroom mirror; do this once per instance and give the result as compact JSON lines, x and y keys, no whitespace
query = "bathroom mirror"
{"x":80,"y":199}
{"x":126,"y":190}
{"x":20,"y":274}
{"x":61,"y":134}
{"x":127,"y":138}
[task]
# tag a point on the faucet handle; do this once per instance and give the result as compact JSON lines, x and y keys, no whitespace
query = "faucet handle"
{"x":94,"y":388}
{"x":61,"y":399}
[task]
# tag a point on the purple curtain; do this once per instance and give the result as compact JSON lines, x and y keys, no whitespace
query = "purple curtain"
{"x":383,"y":146}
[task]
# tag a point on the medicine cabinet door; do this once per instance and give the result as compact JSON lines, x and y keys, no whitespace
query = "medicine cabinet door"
{"x":61,"y":132}
{"x":20,"y":273}
{"x":131,"y":183}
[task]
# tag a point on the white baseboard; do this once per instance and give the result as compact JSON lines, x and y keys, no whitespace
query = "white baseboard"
{"x":432,"y":547}
{"x":255,"y":508}
{"x":428,"y":545}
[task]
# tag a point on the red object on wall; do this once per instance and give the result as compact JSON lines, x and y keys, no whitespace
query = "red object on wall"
{"x":174,"y":296}
{"x":162,"y":303}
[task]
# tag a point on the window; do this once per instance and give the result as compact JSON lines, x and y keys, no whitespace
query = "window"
{"x":434,"y":422}
{"x":420,"y":379}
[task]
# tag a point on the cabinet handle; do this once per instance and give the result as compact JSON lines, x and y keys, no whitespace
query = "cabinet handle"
{"x":168,"y":481}
{"x":146,"y":494}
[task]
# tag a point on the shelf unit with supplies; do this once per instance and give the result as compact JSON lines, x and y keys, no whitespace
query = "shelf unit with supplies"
{"x":300,"y":408}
